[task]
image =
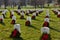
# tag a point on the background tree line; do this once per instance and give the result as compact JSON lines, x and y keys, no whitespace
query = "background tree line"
{"x":35,"y":3}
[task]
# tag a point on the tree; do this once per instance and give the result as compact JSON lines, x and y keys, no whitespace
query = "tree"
{"x":6,"y":3}
{"x":59,"y":2}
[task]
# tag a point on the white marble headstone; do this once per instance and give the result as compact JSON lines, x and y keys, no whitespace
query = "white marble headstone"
{"x":18,"y":10}
{"x":27,"y":11}
{"x":3,"y":12}
{"x":12,"y":12}
{"x":14,"y":18}
{"x":34,"y":14}
{"x":46,"y":19}
{"x":45,"y":30}
{"x":29,"y":18}
{"x":58,"y":13}
{"x":47,"y":13}
{"x":22,"y":13}
{"x":17,"y":26}
{"x":1,"y":17}
{"x":37,"y":11}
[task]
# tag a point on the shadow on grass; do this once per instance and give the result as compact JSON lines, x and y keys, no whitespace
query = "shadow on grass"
{"x":3,"y":24}
{"x":23,"y":19}
{"x":52,"y":21}
{"x":56,"y":37}
{"x":36,"y":19}
{"x":20,"y":38}
{"x":54,"y":29}
{"x":6,"y":18}
{"x":33,"y":27}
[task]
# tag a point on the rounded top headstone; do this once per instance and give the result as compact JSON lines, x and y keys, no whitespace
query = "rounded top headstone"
{"x":22,"y":13}
{"x":34,"y":14}
{"x":1,"y":16}
{"x":58,"y":13}
{"x":17,"y":26}
{"x":13,"y":17}
{"x":46,"y":19}
{"x":45,"y":30}
{"x":29,"y":18}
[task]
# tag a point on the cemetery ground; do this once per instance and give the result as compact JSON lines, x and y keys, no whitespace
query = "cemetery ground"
{"x":34,"y":31}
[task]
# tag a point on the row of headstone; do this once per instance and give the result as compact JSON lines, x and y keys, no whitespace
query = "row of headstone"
{"x":28,"y":12}
{"x":13,"y":17}
{"x":57,"y":12}
{"x":34,"y":14}
{"x":45,"y":29}
{"x":19,"y":11}
{"x":3,"y":16}
{"x":28,"y":22}
{"x":46,"y":21}
{"x":16,"y":32}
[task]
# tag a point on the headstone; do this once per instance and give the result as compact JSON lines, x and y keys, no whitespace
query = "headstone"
{"x":28,"y":21}
{"x":1,"y":19}
{"x":13,"y":20}
{"x":1,"y":11}
{"x":11,"y":14}
{"x":22,"y":15}
{"x":45,"y":33}
{"x":58,"y":15}
{"x":22,"y":11}
{"x":47,"y":14}
{"x":18,"y":11}
{"x":40,"y":11}
{"x":31,"y":11}
{"x":27,"y":12}
{"x":56,"y":11}
{"x":4,"y":13}
{"x":16,"y":32}
{"x":34,"y":16}
{"x":45,"y":30}
{"x":46,"y":22}
{"x":37,"y":12}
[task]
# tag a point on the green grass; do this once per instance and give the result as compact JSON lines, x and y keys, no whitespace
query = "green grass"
{"x":30,"y":33}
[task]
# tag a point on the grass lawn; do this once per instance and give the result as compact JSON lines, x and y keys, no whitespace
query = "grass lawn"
{"x":30,"y":33}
